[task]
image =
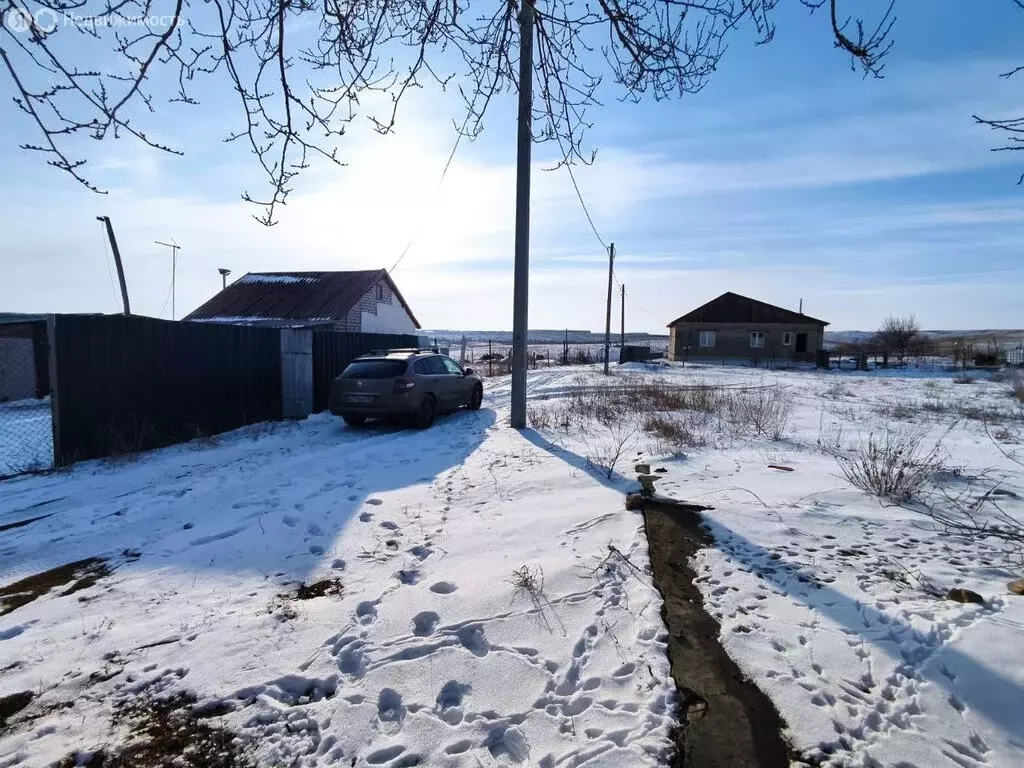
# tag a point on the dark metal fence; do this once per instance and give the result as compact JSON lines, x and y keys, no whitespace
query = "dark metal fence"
{"x":26,"y":431}
{"x":332,"y":351}
{"x":126,"y":384}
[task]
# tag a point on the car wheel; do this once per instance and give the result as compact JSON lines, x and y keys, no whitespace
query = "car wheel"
{"x":476,"y":398}
{"x":425,"y":414}
{"x":354,"y":419}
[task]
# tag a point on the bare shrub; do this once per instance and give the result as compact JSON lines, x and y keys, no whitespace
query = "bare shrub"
{"x":674,"y":434}
{"x":539,"y":418}
{"x":899,"y":411}
{"x":896,"y":464}
{"x":529,"y":580}
{"x":765,"y":412}
{"x":1017,"y":390}
{"x":606,"y":448}
{"x":964,"y":380}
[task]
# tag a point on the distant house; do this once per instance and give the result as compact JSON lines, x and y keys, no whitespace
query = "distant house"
{"x":366,"y":301}
{"x":738,"y":327}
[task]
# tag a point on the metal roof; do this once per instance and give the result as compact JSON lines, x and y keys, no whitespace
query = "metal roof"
{"x":294,"y":297}
{"x":732,"y":308}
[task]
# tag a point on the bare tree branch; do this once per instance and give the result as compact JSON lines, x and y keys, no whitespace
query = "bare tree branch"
{"x":302,"y":70}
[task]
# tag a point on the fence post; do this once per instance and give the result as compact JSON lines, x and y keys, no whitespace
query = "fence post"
{"x":296,"y":373}
{"x":51,"y":335}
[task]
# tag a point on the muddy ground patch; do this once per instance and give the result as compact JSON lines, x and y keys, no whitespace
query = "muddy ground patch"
{"x":727,"y":721}
{"x":80,"y":575}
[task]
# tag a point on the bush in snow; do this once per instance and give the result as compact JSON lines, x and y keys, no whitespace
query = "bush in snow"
{"x":1017,"y":390}
{"x":673,"y":433}
{"x":608,"y":445}
{"x":764,"y":412}
{"x":897,"y":464}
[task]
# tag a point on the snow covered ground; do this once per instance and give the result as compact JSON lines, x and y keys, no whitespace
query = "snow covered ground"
{"x":430,"y":655}
{"x":816,"y":584}
{"x":436,"y":653}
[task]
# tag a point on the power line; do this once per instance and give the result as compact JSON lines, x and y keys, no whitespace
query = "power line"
{"x":440,"y":181}
{"x":642,"y":308}
{"x":167,"y":298}
{"x":631,"y":300}
{"x":572,"y":176}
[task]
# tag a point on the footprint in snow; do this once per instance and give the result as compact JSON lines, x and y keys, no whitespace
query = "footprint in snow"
{"x":458,"y":747}
{"x":625,"y":670}
{"x":424,"y":623}
{"x":389,"y":525}
{"x":290,"y":520}
{"x":316,"y":550}
{"x":366,"y":517}
{"x":366,"y":612}
{"x":338,"y":564}
{"x":375,"y":502}
{"x":409,"y":576}
{"x":443,"y":587}
{"x":314,"y":530}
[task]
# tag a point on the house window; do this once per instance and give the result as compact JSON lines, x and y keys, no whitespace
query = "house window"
{"x":787,"y":338}
{"x":756,"y":339}
{"x":380,"y":291}
{"x":707,"y":338}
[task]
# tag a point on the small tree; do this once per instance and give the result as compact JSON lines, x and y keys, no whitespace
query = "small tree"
{"x":896,"y":337}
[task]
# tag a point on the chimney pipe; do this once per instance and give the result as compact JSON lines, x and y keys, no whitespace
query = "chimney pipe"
{"x":801,"y":306}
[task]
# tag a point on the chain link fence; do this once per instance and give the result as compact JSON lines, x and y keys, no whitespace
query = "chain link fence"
{"x":26,"y":431}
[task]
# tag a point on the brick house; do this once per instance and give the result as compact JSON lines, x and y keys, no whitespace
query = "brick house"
{"x":364,"y":301}
{"x":745,"y":330}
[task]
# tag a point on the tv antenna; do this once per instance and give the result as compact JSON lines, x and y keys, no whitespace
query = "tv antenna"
{"x":174,"y":268}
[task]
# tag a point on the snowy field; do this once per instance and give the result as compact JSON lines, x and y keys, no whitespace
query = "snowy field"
{"x":26,"y":436}
{"x":384,"y":597}
{"x":433,"y":653}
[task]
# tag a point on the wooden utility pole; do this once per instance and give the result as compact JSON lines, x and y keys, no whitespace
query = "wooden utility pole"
{"x":622,"y":328}
{"x":117,"y":262}
{"x":521,"y":278}
{"x":608,"y":309}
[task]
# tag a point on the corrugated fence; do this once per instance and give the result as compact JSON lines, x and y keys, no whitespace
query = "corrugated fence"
{"x":125,"y":384}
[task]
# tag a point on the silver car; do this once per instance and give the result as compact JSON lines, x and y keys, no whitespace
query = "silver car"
{"x":414,"y":383}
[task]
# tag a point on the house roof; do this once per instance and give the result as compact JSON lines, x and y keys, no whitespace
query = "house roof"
{"x":302,"y":297}
{"x":732,"y":308}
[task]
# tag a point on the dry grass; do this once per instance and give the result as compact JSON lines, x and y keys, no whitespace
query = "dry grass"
{"x":764,"y":412}
{"x":674,"y":435}
{"x":681,"y":416}
{"x":1017,"y":390}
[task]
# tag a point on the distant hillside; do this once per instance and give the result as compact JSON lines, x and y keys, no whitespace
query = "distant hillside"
{"x":1002,"y":336}
{"x":541,"y":336}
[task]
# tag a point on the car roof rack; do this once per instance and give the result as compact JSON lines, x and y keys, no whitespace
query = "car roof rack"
{"x":397,"y":350}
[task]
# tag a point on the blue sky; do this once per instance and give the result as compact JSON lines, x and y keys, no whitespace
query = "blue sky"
{"x":788,"y":177}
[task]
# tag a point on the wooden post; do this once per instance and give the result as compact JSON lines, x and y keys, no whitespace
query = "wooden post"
{"x":608,"y":308}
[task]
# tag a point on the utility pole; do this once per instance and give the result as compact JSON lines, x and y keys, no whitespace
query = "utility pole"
{"x":521,"y":280}
{"x":622,"y":328}
{"x":608,"y":311}
{"x":117,"y":262}
{"x":174,"y":269}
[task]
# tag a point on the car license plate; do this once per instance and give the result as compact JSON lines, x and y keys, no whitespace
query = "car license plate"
{"x":360,"y":398}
